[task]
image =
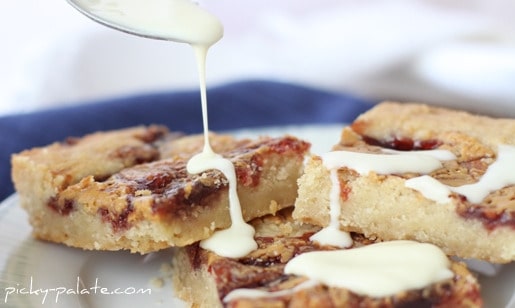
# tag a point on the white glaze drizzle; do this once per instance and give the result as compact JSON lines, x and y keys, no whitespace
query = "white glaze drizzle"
{"x":238,"y":240}
{"x":430,"y":188}
{"x":377,"y":270}
{"x":392,"y":162}
{"x":500,"y":173}
{"x":331,"y":234}
{"x":363,"y":163}
{"x":185,"y":21}
{"x":332,"y":268}
{"x":441,"y":155}
{"x":255,"y":293}
{"x":336,"y":268}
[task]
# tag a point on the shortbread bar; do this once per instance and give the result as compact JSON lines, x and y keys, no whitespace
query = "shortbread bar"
{"x":465,"y":204}
{"x":204,"y":279}
{"x":129,"y":189}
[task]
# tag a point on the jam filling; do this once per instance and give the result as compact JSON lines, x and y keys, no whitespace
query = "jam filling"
{"x":120,"y":221}
{"x":63,"y":208}
{"x":403,"y":143}
{"x":70,"y":141}
{"x":172,"y":189}
{"x":175,"y":191}
{"x":289,"y":144}
{"x":153,"y":133}
{"x":177,"y":202}
{"x":490,"y":217}
{"x":263,"y":269}
{"x":345,"y":190}
{"x":135,"y":155}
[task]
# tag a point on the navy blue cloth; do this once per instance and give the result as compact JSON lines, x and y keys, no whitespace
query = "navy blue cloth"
{"x":236,"y":105}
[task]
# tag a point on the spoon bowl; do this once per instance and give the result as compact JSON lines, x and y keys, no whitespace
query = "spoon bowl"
{"x":83,"y":7}
{"x":172,"y":20}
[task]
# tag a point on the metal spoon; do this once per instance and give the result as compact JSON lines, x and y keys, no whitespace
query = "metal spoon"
{"x":81,"y":6}
{"x":172,"y":20}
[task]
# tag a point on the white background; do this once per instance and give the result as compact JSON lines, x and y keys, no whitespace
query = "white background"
{"x":455,"y":53}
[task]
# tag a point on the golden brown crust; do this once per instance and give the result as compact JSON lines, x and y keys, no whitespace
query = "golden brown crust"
{"x":99,"y":155}
{"x":381,"y":205}
{"x":145,"y":199}
{"x":204,"y":279}
{"x":390,"y":120}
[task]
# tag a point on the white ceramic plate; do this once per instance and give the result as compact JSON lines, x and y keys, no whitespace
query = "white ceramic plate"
{"x":40,"y":274}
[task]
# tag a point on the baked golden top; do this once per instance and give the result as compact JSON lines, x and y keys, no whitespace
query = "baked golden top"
{"x":473,"y":139}
{"x":133,"y":185}
{"x":281,"y":238}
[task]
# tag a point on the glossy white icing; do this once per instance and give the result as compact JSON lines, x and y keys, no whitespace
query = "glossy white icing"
{"x":378,"y":270}
{"x":331,"y":234}
{"x":430,"y":188}
{"x":185,"y":21}
{"x":364,"y":163}
{"x":255,"y":293}
{"x":500,"y":173}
